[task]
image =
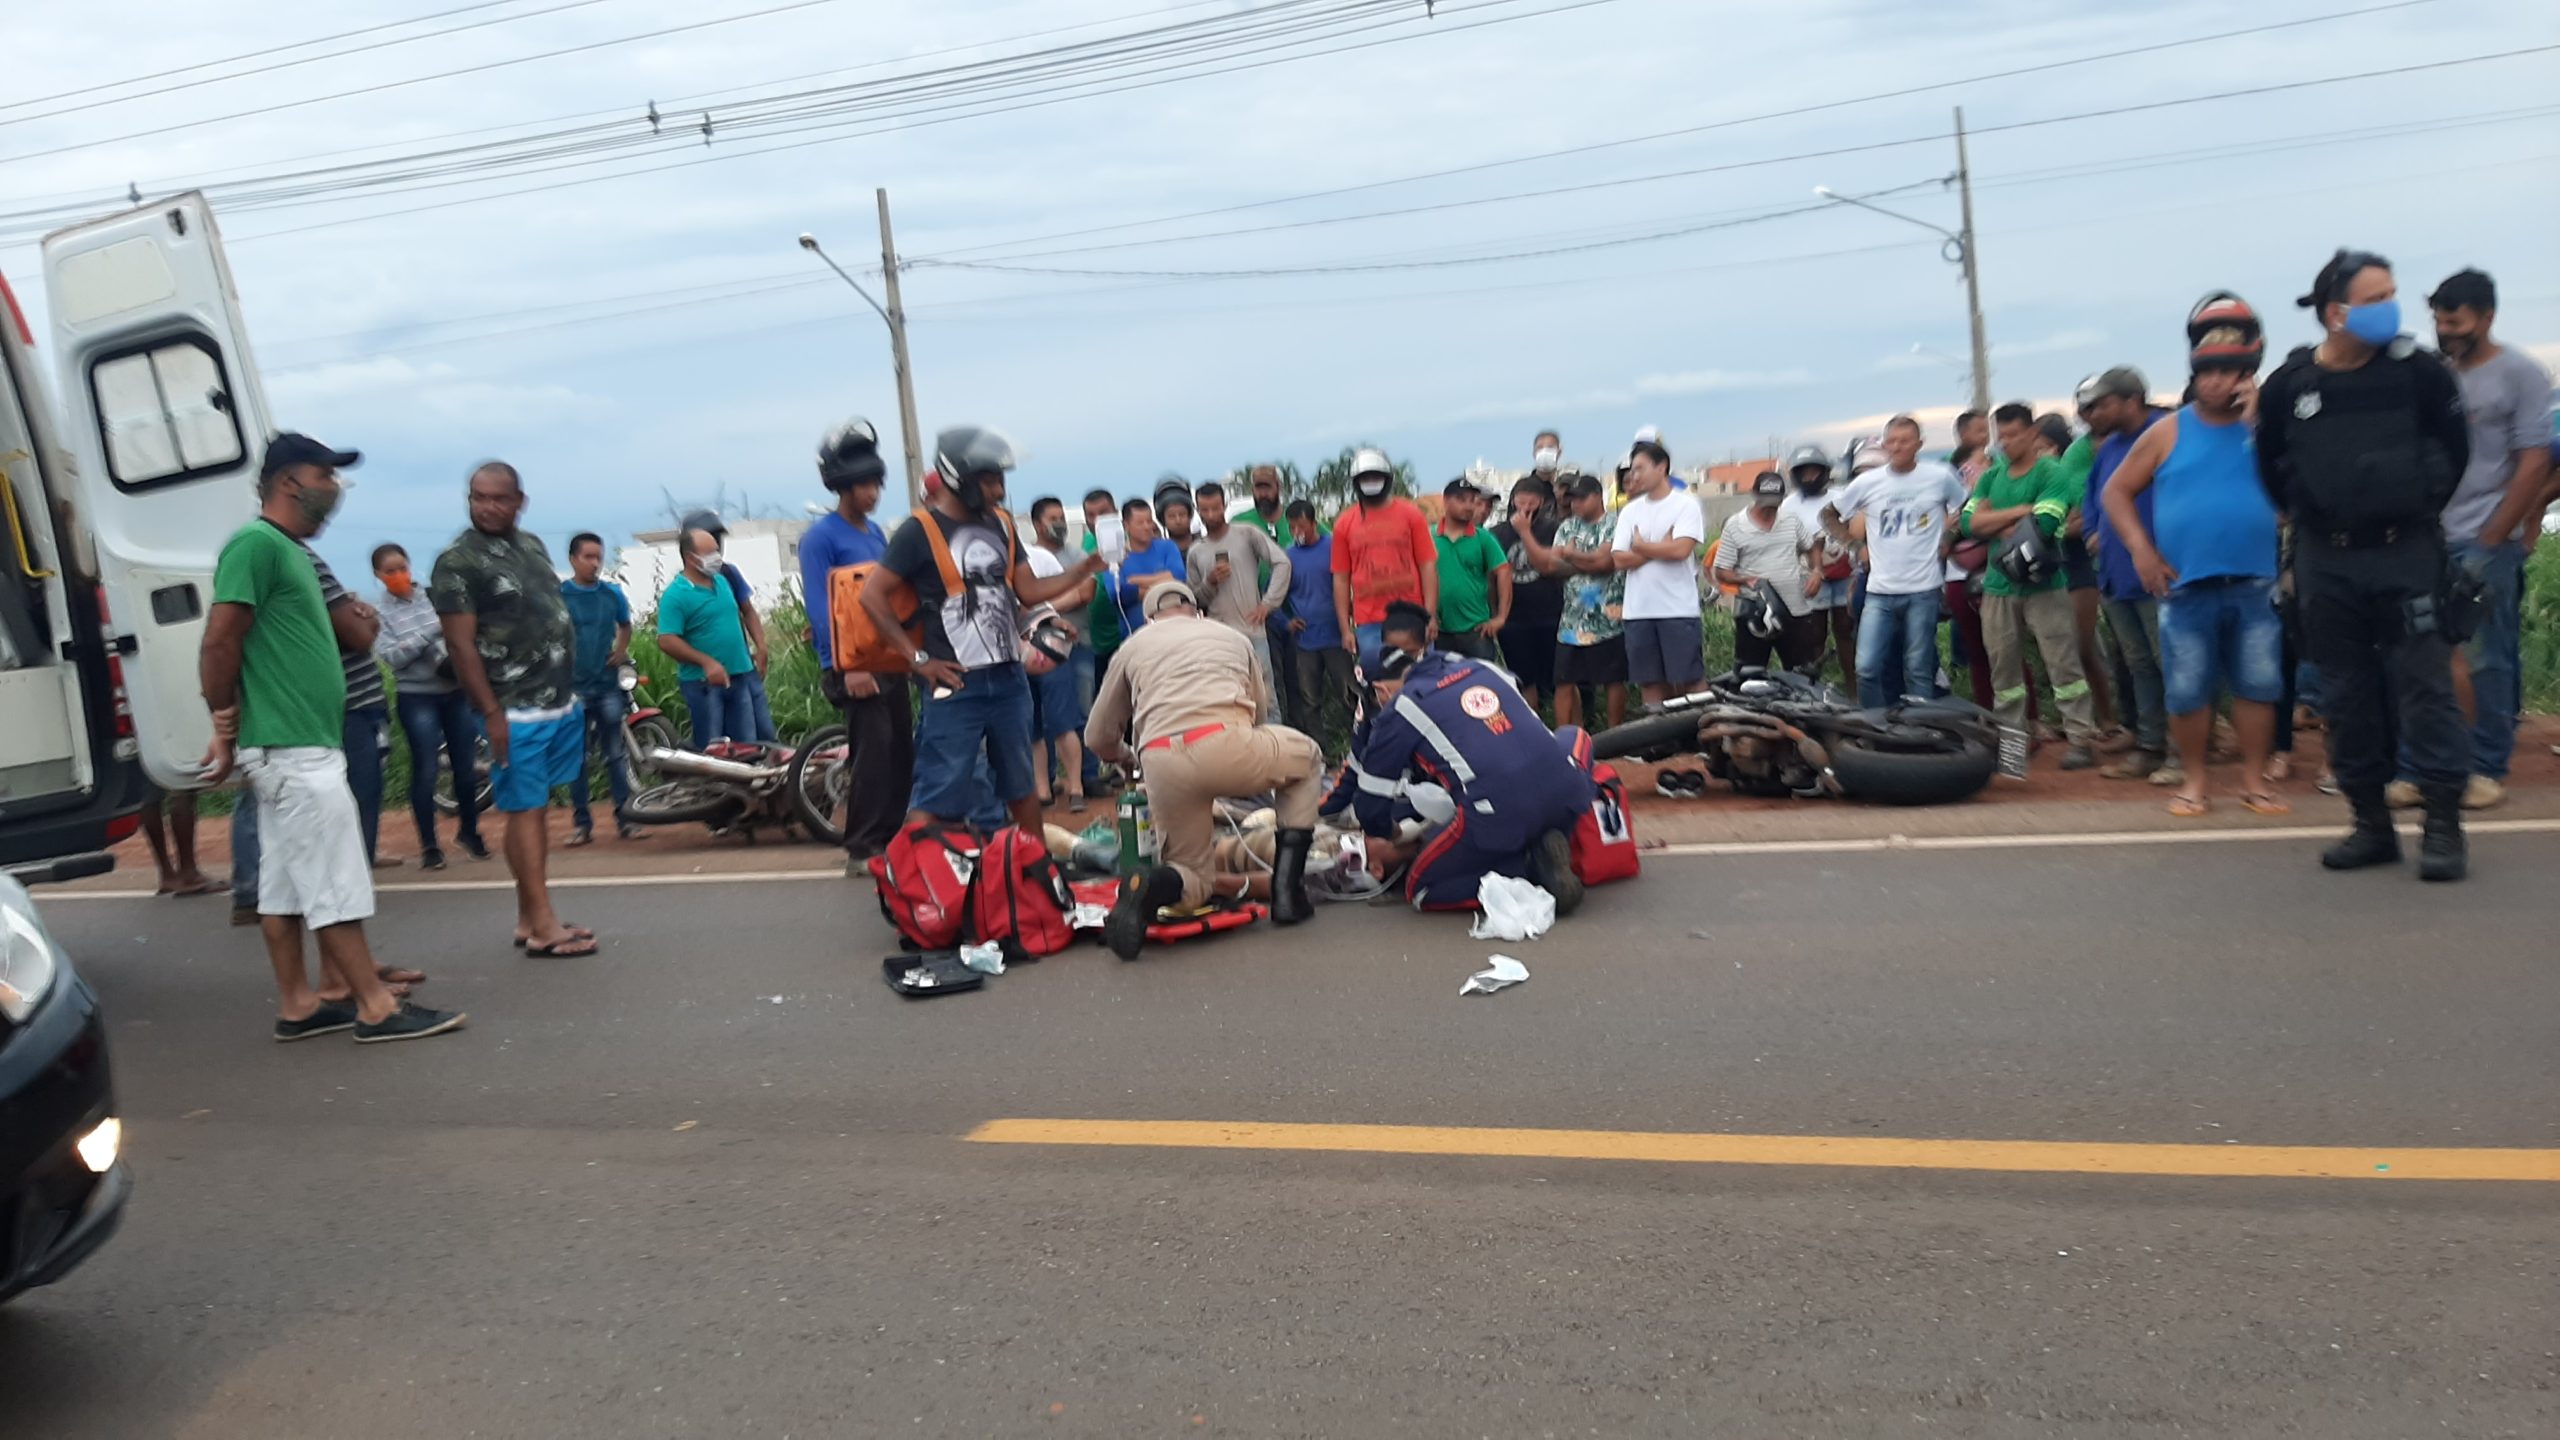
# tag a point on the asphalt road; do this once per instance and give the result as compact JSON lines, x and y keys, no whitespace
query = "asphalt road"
{"x":715,"y":1181}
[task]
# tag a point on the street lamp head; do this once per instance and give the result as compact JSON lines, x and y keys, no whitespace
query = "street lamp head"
{"x":808,"y":241}
{"x":1825,"y":192}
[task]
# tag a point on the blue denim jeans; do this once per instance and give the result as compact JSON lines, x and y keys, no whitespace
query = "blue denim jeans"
{"x":1897,"y":647}
{"x":987,"y":721}
{"x":244,"y":850}
{"x":759,"y":709}
{"x":1369,"y":637}
{"x":2496,"y":656}
{"x":719,"y":712}
{"x":603,"y":709}
{"x":363,"y":738}
{"x":441,"y":722}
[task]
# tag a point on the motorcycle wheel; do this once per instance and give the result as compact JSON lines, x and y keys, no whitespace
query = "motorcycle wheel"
{"x":653,"y":733}
{"x":1914,"y":777}
{"x":681,"y":802}
{"x":480,"y":789}
{"x":1652,"y":737}
{"x":820,"y":779}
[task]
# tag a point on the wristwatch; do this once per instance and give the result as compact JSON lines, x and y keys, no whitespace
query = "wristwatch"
{"x":917,"y":660}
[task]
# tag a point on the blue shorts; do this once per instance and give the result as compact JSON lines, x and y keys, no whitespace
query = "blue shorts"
{"x":541,"y":753}
{"x":986,"y":721}
{"x":1057,"y":704}
{"x":2221,"y":632}
{"x":1667,"y":652}
{"x":1832,"y":595}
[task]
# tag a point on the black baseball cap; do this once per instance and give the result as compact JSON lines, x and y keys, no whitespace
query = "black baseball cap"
{"x":1463,"y":485}
{"x":2465,"y":287}
{"x":1769,"y":482}
{"x":292,"y":447}
{"x":1578,"y":486}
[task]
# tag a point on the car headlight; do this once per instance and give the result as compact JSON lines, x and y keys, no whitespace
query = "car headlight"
{"x":26,"y":964}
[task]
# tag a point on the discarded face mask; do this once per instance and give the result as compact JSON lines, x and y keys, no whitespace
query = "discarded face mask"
{"x":986,"y":959}
{"x":1501,"y":971}
{"x":1514,"y":909}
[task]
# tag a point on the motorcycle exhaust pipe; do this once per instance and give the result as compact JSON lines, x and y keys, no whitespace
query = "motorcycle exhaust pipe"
{"x":687,"y":762}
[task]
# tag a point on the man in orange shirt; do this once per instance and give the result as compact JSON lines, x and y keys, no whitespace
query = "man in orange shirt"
{"x":1382,"y":553}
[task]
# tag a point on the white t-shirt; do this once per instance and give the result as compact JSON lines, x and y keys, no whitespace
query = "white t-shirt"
{"x":1906,"y":517}
{"x":1662,"y":589}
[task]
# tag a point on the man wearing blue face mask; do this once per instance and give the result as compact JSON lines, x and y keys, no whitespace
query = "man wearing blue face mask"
{"x":2361,"y":440}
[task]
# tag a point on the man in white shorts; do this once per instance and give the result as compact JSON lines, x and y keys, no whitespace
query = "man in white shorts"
{"x":271,"y":676}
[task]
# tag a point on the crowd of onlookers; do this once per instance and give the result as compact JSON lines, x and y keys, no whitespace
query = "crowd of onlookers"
{"x":2149,"y":588}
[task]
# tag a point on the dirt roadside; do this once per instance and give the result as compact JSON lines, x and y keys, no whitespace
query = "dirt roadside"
{"x":2047,"y":802}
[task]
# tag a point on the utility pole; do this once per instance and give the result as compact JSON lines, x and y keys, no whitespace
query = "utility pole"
{"x":897,"y":318}
{"x":1972,"y":277}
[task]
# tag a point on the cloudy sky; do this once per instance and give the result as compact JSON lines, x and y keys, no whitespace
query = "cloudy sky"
{"x":1245,"y":228}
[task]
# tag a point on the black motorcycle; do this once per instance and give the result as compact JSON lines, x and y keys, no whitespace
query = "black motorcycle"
{"x":1774,"y":732}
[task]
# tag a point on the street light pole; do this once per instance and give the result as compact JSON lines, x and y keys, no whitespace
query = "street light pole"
{"x":895,"y":318}
{"x":1972,"y":276}
{"x":1959,"y":250}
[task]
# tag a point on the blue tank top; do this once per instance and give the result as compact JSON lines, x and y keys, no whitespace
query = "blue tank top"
{"x":2210,"y":516}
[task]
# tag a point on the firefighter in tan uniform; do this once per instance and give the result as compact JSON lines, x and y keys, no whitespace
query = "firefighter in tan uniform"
{"x":1189,"y":689}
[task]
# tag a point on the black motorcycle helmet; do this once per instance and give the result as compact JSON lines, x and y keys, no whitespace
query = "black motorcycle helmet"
{"x":2026,"y":556}
{"x":1758,"y":610}
{"x":849,"y":455}
{"x":1808,"y":457}
{"x":965,"y":452}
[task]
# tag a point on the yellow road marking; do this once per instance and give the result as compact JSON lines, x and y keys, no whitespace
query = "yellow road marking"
{"x":2292,"y":1162}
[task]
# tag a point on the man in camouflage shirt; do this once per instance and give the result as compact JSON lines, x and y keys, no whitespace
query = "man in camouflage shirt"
{"x":498,"y":598}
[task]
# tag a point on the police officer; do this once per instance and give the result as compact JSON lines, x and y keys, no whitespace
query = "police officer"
{"x":1191,"y":690}
{"x":1459,"y":724}
{"x":2361,"y":440}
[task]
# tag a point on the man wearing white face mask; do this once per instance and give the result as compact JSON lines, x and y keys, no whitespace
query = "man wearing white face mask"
{"x":1546,"y":452}
{"x":698,"y":628}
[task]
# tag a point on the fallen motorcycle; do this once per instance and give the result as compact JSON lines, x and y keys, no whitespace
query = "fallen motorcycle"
{"x":1774,"y":732}
{"x":734,"y":787}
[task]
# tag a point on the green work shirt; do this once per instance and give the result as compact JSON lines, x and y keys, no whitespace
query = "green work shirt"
{"x":1467,"y":564}
{"x":293,"y":690}
{"x":1102,"y":617}
{"x":1277,"y":527}
{"x":2046,"y":486}
{"x":706,"y":618}
{"x":526,"y":642}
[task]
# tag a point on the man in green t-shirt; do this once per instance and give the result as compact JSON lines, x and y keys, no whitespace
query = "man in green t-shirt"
{"x":278,"y":695}
{"x":2028,"y":487}
{"x":1475,"y":575}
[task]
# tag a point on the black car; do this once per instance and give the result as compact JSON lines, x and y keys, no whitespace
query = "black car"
{"x":63,"y":1181}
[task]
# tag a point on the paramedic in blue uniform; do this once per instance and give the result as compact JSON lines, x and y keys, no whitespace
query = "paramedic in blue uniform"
{"x":1461,"y":725}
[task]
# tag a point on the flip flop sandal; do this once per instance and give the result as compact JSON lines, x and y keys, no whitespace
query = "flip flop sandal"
{"x":399,"y":975}
{"x":921,"y":977}
{"x":576,"y":932}
{"x":201,"y":887}
{"x":567,"y":949}
{"x":2265,"y":805}
{"x":2186,"y":808}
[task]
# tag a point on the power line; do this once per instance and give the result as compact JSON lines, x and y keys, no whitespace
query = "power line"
{"x":1970,"y":80}
{"x":254,"y":54}
{"x":418,"y":80}
{"x":286,"y":64}
{"x":900,"y":124}
{"x":2108,"y":113}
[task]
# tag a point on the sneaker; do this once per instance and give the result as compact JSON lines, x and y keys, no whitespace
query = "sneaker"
{"x":2078,"y":758}
{"x":412,"y":1021}
{"x":2327,"y":784}
{"x":1551,"y":861}
{"x":2117,"y":741}
{"x":629,"y":830}
{"x":327,"y":1020}
{"x":2136,"y":766}
{"x":432,"y":860}
{"x":2401,"y":795}
{"x":2480,"y":792}
{"x":472,"y":847}
{"x":2169,"y":773}
{"x":244,"y":914}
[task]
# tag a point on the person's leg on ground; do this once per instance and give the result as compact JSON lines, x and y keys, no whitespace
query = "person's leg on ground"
{"x":2343,"y":632}
{"x":362,"y":732}
{"x":754,"y":717}
{"x":2136,"y":627}
{"x":2191,"y":649}
{"x":541,"y":753}
{"x":2053,"y":618}
{"x":2495,"y":658}
{"x":155,"y":835}
{"x":244,"y":856}
{"x":462,"y":763}
{"x":1280,"y":647}
{"x":1306,"y":711}
{"x":2093,"y":660}
{"x":1918,"y":622}
{"x":617,"y":759}
{"x":1879,"y":666}
{"x":2418,"y":671}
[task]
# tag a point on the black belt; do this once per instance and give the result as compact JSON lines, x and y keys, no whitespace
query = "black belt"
{"x":2367,"y":537}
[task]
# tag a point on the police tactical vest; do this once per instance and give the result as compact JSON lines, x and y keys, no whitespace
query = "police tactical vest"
{"x":2359,"y":453}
